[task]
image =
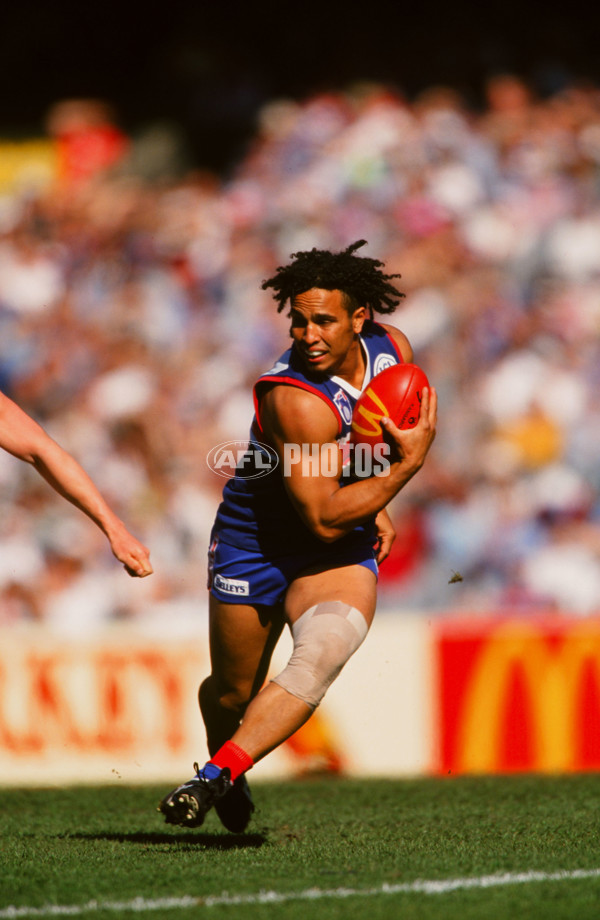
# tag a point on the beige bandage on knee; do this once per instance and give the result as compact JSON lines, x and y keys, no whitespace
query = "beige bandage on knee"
{"x":325,"y":637}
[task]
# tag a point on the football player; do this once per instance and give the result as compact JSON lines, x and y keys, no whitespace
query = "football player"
{"x":297,"y":545}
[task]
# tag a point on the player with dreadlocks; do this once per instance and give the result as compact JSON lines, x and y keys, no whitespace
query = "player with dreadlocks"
{"x":363,"y":281}
{"x":301,"y":544}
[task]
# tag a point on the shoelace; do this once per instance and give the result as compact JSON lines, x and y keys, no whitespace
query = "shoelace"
{"x":207,"y":770}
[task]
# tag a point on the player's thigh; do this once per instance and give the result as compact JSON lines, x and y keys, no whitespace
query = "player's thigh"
{"x":355,"y":585}
{"x":242,"y":639}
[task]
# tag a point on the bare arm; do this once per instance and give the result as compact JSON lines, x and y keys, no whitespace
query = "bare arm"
{"x":294,"y":416}
{"x":25,"y":439}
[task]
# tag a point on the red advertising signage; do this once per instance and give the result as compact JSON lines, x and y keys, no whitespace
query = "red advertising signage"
{"x":518,"y":695}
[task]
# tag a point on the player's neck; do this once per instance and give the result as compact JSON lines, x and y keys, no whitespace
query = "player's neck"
{"x":354,"y":366}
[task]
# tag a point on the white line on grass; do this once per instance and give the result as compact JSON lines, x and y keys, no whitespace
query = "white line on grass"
{"x":433,"y":886}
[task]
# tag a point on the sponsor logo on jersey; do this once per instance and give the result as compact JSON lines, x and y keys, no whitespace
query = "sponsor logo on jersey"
{"x":231,"y":585}
{"x":343,"y":406}
{"x":383,"y":361}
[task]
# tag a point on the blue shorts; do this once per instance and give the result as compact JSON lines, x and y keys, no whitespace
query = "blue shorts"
{"x":237,"y":576}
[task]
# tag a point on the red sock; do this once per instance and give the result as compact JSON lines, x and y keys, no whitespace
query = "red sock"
{"x":233,"y":757}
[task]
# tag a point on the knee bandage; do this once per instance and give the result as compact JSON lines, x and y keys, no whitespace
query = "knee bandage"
{"x":325,"y":637}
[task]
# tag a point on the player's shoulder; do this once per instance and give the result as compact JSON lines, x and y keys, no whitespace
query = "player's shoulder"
{"x":400,"y":340}
{"x":286,"y":408}
{"x":286,"y":396}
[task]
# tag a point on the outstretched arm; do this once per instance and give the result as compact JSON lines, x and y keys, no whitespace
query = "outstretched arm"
{"x":25,"y":439}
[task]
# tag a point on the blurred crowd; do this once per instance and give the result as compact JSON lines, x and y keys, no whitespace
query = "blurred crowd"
{"x":133,"y":324}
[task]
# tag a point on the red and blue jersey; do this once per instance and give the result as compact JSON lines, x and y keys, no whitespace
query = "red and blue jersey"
{"x":256,"y":512}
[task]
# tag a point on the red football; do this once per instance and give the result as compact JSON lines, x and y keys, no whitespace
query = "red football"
{"x":396,"y":393}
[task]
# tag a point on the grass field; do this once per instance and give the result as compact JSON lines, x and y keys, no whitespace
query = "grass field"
{"x":317,"y":848}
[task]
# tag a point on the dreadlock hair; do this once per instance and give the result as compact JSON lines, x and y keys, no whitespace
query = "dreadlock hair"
{"x":359,"y":278}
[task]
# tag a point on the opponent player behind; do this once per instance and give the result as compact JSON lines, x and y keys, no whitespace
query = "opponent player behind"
{"x":296,"y":548}
{"x":21,"y":436}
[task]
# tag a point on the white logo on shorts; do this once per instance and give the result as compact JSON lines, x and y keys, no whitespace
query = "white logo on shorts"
{"x":232,"y":585}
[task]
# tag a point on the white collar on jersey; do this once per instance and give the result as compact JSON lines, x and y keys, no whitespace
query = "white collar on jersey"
{"x":353,"y":391}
